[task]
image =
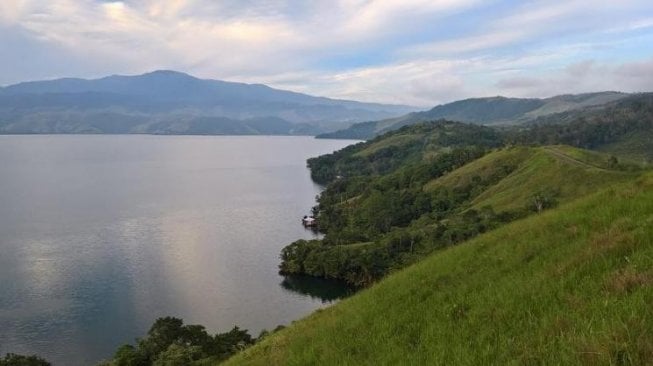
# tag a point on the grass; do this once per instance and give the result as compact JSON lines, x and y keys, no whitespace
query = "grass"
{"x":483,"y":167}
{"x":568,"y":171}
{"x":397,"y":140}
{"x":573,"y":285}
{"x":584,"y":157}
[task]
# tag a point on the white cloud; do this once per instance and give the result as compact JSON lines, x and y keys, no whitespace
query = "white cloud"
{"x":582,"y":77}
{"x":371,"y":17}
{"x":372,"y":50}
{"x":12,"y":11}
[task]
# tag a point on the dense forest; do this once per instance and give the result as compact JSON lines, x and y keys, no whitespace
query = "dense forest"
{"x":405,"y":146}
{"x":615,"y":127}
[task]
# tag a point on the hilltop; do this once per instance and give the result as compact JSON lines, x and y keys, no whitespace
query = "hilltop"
{"x":169,"y":102}
{"x":486,"y":111}
{"x":566,"y":171}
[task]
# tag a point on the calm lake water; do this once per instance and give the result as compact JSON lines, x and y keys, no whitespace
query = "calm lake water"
{"x":100,"y":235}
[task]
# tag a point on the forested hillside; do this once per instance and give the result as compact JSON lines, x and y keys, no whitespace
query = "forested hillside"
{"x":396,"y":198}
{"x":623,"y":128}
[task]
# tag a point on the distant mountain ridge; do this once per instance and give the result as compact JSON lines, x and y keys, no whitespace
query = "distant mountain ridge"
{"x":172,"y":102}
{"x":486,"y":111}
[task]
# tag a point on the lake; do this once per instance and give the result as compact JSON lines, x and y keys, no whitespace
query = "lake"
{"x":102,"y":234}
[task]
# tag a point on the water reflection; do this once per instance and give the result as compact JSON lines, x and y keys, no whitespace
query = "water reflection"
{"x":317,"y":288}
{"x":100,"y":235}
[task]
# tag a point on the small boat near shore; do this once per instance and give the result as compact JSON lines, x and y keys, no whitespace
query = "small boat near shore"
{"x":309,"y":221}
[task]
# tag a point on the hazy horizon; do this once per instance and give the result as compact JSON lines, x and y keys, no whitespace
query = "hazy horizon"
{"x":325,"y":96}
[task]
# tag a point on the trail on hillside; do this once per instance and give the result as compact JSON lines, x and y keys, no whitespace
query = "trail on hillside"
{"x":570,"y":159}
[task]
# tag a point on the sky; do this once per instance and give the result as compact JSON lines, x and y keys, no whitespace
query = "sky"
{"x":414,"y":52}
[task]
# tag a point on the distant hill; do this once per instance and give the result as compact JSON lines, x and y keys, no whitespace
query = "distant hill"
{"x":623,"y":128}
{"x":486,"y":111}
{"x":170,"y":102}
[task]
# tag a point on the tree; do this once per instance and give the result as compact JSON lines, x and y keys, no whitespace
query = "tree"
{"x":161,"y":335}
{"x":542,"y":200}
{"x":12,"y":359}
{"x":129,"y":355}
{"x":178,"y":355}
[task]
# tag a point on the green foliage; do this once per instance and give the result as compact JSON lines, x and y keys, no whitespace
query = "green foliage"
{"x":596,"y":129}
{"x":12,"y":359}
{"x":379,"y":217}
{"x":410,"y":144}
{"x":378,"y":222}
{"x":178,"y":355}
{"x":128,"y":355}
{"x":170,"y":343}
{"x":543,"y":200}
{"x":570,"y":286}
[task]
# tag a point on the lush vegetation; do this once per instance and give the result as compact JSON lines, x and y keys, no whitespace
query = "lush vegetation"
{"x":571,"y":286}
{"x":398,"y":197}
{"x":620,"y":127}
{"x":170,"y":343}
{"x":407,"y":145}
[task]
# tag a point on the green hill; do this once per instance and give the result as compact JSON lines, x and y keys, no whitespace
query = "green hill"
{"x":568,"y":172}
{"x":622,"y":128}
{"x":407,"y":145}
{"x":399,"y":197}
{"x":572,"y":285}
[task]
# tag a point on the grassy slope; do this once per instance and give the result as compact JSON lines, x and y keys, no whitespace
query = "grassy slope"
{"x":571,"y":286}
{"x":395,"y":141}
{"x":572,"y":172}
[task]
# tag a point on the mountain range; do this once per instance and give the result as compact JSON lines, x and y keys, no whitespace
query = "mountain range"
{"x":170,"y":102}
{"x":486,"y":111}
